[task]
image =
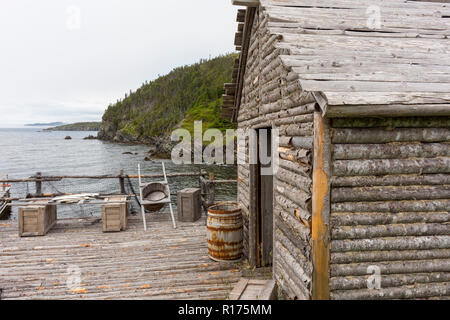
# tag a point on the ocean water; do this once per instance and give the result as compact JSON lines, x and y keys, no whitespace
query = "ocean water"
{"x":27,"y":151}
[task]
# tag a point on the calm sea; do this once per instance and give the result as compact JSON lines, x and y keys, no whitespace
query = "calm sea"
{"x":27,"y":151}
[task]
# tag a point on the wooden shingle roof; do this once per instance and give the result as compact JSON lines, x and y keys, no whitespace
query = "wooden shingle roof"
{"x":357,"y":64}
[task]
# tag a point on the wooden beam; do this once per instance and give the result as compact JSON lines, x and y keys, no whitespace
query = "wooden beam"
{"x":227,"y":98}
{"x":240,"y":15}
{"x":59,"y":178}
{"x":38,"y":184}
{"x":249,"y":17}
{"x":228,"y":104}
{"x":230,"y":89}
{"x":238,"y":290}
{"x":122,"y":182}
{"x":389,"y":110}
{"x":238,"y":39}
{"x":247,"y":3}
{"x":321,"y":101}
{"x":321,"y":208}
{"x":226,"y":115}
{"x":230,"y":86}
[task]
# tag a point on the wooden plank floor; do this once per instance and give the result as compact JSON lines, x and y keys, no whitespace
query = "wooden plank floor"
{"x":161,"y":263}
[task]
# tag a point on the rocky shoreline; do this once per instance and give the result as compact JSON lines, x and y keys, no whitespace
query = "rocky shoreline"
{"x":159,"y":147}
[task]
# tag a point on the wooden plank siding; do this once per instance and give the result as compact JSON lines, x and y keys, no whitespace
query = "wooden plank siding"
{"x":272,"y":97}
{"x":389,"y":175}
{"x":161,"y":263}
{"x":390,"y":208}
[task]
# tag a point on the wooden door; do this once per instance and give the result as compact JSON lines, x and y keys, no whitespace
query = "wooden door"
{"x":264,"y":221}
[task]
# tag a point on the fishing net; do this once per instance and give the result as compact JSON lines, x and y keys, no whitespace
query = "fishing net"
{"x":224,"y":192}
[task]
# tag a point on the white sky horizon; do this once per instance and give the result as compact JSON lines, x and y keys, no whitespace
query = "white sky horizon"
{"x":66,"y":61}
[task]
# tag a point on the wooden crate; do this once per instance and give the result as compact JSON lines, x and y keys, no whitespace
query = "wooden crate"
{"x":36,"y":220}
{"x":248,"y":289}
{"x":114,"y":217}
{"x":189,"y":205}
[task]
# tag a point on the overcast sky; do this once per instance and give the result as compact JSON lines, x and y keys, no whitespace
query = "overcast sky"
{"x":67,"y":60}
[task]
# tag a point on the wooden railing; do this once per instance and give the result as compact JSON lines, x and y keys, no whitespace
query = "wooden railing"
{"x":207,"y":183}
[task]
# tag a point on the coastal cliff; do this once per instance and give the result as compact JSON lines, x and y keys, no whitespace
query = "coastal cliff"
{"x":187,"y":94}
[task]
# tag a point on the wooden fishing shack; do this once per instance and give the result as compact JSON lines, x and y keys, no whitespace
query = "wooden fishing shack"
{"x":360,"y":93}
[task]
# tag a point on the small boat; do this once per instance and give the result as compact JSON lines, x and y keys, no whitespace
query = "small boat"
{"x":5,"y":210}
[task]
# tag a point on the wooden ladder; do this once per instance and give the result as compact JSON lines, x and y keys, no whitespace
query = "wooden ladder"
{"x":144,"y":202}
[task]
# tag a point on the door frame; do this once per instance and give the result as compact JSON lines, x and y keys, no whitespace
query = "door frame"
{"x":258,"y":255}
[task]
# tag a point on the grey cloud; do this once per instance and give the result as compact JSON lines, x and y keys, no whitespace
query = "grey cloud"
{"x":51,"y":69}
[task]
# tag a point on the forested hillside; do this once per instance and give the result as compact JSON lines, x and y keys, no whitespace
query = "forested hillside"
{"x":185,"y":95}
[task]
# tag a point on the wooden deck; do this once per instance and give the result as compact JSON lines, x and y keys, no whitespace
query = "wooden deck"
{"x":161,"y":263}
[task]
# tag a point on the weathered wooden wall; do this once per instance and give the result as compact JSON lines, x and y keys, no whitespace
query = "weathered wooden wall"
{"x":390,"y":208}
{"x":390,"y":195}
{"x":272,"y":97}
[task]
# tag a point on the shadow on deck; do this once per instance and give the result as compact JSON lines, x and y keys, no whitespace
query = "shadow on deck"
{"x":161,"y":263}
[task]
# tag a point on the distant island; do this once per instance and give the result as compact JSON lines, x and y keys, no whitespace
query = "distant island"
{"x":50,"y":124}
{"x":79,"y":126}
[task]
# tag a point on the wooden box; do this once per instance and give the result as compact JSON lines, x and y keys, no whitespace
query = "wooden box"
{"x":248,"y":289}
{"x":189,"y":205}
{"x":36,"y":220}
{"x":114,"y":217}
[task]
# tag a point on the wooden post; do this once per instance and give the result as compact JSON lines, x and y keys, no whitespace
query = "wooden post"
{"x":249,"y":18}
{"x":253,"y":246}
{"x":203,"y":193}
{"x":321,"y":209}
{"x":211,"y":190}
{"x":200,"y":185}
{"x":208,"y":191}
{"x":38,"y":184}
{"x":122,"y":182}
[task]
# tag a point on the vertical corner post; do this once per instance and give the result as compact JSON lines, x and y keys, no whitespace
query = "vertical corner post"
{"x":321,"y":208}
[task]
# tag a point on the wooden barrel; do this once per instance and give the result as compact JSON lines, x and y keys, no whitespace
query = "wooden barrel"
{"x":224,"y":232}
